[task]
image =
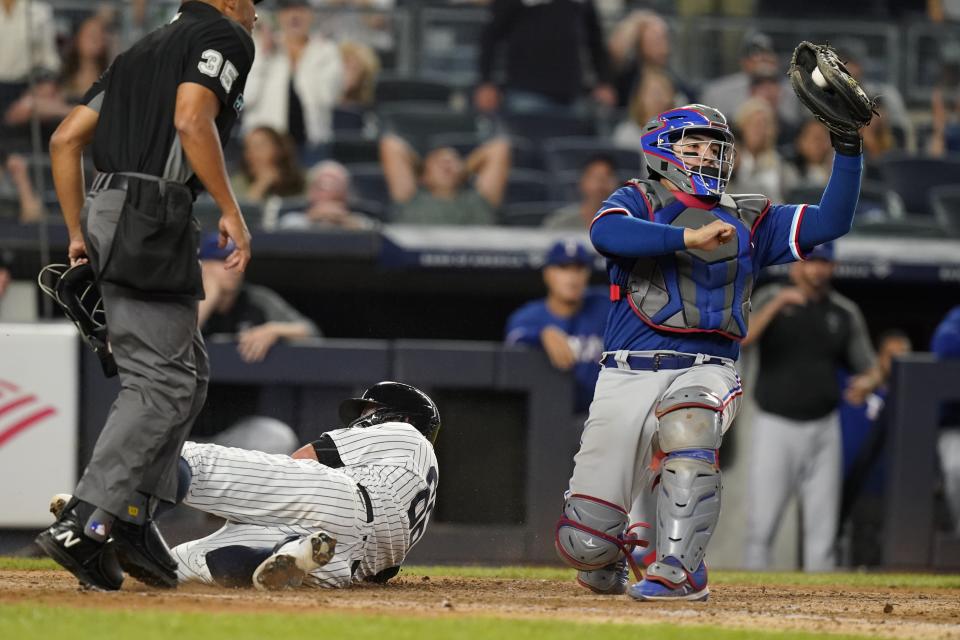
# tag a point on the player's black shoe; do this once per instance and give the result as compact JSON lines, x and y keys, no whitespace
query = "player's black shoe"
{"x":144,"y":554}
{"x":93,"y":563}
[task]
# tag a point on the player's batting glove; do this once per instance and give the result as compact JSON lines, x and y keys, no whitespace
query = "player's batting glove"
{"x":835,"y":98}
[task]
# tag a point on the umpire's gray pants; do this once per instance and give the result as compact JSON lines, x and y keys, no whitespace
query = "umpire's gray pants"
{"x":789,"y":457}
{"x":163,"y":370}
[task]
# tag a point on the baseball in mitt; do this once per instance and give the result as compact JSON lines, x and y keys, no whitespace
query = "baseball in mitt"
{"x":835,"y":98}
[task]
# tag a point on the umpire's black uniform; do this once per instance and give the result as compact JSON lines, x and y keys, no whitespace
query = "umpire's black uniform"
{"x":141,"y":238}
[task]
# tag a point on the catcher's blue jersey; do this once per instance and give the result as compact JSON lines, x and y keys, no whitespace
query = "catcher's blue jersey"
{"x":782,"y":233}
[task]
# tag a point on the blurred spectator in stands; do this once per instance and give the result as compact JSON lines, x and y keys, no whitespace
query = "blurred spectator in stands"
{"x":328,"y":199}
{"x":270,"y":167}
{"x":27,"y":41}
{"x":945,"y":109}
{"x":946,"y":345}
{"x":855,"y":55}
{"x":569,"y":323}
{"x":256,"y":315}
{"x":878,"y":140}
{"x":18,"y":199}
{"x":296,"y":78}
{"x":598,"y":179}
{"x":812,"y":160}
{"x":361,"y":66}
{"x":639,"y":44}
{"x":758,"y":65}
{"x":437,"y":191}
{"x":654,"y":95}
{"x":85,"y":60}
{"x":87,"y":57}
{"x":543,"y":41}
{"x":804,"y":332}
{"x":759,"y":167}
{"x":940,"y":11}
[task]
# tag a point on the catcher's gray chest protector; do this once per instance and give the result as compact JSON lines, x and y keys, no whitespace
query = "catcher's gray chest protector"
{"x":722,"y":277}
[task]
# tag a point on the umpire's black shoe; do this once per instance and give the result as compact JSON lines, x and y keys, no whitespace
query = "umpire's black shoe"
{"x":144,"y":554}
{"x":93,"y":563}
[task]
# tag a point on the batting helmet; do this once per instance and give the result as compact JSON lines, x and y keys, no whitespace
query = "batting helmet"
{"x":393,"y":402}
{"x":75,"y":291}
{"x":664,"y":145}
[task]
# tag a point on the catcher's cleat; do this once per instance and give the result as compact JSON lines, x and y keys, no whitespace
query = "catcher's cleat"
{"x":144,"y":554}
{"x":288,"y":566}
{"x":93,"y":563}
{"x":608,"y":581}
{"x":58,"y":502}
{"x":694,"y":587}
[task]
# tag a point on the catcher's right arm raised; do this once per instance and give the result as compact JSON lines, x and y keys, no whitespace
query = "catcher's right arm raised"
{"x":825,"y":86}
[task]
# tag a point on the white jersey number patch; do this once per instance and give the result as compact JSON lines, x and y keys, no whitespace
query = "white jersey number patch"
{"x":211,"y":63}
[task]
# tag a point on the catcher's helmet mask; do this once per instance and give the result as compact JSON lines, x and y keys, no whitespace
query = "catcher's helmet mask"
{"x":392,"y":402}
{"x":75,"y":291}
{"x":675,"y":138}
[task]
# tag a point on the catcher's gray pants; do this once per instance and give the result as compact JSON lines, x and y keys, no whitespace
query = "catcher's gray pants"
{"x":616,"y":460}
{"x":163,"y":374}
{"x":788,"y":456}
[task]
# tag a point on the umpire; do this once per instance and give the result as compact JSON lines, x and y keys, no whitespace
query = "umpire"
{"x":157,"y":119}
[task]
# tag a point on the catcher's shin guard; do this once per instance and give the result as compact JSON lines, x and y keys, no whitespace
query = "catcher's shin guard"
{"x":688,"y":510}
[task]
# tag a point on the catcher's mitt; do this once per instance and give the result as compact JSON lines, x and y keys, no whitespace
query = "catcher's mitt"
{"x":824,"y":85}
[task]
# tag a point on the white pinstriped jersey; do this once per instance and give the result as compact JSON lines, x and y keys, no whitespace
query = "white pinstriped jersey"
{"x":396,"y":464}
{"x":268,"y":497}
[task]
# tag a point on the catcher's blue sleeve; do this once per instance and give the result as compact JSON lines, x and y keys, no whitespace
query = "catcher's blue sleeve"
{"x":620,"y":228}
{"x":787,"y":232}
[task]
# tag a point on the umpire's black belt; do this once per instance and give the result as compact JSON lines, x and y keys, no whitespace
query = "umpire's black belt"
{"x":120,"y":181}
{"x":657,"y":361}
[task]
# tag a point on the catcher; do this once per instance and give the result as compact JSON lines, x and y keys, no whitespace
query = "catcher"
{"x":682,"y":259}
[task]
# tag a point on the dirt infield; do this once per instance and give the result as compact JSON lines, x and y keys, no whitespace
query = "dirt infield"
{"x":876,"y":612}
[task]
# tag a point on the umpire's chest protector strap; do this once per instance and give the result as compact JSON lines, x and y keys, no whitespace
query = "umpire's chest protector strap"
{"x":695,"y":290}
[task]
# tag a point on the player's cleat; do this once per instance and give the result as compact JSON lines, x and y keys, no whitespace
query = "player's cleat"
{"x":58,"y":502}
{"x":144,"y":554}
{"x":93,"y":563}
{"x":694,"y":587}
{"x":608,"y":581}
{"x":289,"y":565}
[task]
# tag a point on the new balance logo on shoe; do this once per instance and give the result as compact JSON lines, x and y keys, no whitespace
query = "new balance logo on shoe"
{"x":67,"y":539}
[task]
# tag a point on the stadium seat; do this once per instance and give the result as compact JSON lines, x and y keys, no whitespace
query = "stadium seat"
{"x":945,"y":202}
{"x":527,"y":214}
{"x":570,"y":153}
{"x":352,"y":149}
{"x":877,"y":204}
{"x":369,"y":183}
{"x":348,"y":121}
{"x":541,"y":126}
{"x":418,"y":122}
{"x":391,"y":90}
{"x":909,"y":227}
{"x":527,"y":185}
{"x":914,"y":176}
{"x":523,"y":153}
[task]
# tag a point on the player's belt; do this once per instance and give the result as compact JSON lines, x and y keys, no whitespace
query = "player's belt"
{"x":658,"y":361}
{"x":366,"y":501}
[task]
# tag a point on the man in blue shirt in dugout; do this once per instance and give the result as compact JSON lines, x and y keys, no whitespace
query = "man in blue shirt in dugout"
{"x":568,"y":324}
